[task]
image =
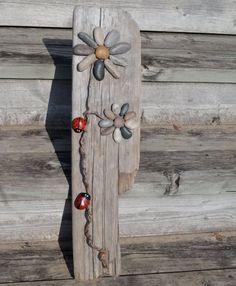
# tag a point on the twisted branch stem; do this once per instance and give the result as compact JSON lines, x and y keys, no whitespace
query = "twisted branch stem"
{"x":102,"y":253}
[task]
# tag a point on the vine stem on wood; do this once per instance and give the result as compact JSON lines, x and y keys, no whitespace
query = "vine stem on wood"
{"x":102,"y":253}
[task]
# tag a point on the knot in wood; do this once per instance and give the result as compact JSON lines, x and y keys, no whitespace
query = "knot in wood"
{"x":103,"y":257}
{"x":102,"y":53}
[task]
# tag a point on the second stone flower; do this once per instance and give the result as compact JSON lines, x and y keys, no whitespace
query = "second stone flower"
{"x":119,"y":121}
{"x":102,"y":52}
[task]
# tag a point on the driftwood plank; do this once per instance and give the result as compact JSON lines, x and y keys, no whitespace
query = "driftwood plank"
{"x":44,"y":102}
{"x":46,"y":54}
{"x":187,"y":16}
{"x":104,"y":158}
{"x":30,"y":261}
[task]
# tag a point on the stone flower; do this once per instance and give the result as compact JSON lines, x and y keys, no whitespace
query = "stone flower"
{"x":101,"y":52}
{"x":119,"y":121}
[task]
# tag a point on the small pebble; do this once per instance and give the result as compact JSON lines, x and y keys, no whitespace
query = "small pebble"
{"x":124,"y":109}
{"x":117,"y":135}
{"x":107,"y":130}
{"x":132,"y":123}
{"x":105,"y":123}
{"x":119,"y":122}
{"x":115,"y":108}
{"x":120,"y":61}
{"x":112,"y":38}
{"x":86,"y":62}
{"x":87,"y":40}
{"x":130,"y":115}
{"x":99,"y":70}
{"x":120,"y":48}
{"x":109,"y":114}
{"x":83,"y":50}
{"x":125,"y":132}
{"x":111,"y":68}
{"x":98,"y":36}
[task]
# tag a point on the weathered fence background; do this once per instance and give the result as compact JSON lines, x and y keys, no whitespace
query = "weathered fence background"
{"x":187,"y":148}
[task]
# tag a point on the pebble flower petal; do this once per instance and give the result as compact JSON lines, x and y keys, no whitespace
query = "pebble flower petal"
{"x":125,"y":132}
{"x":87,"y":40}
{"x":109,"y":114}
{"x":115,"y":108}
{"x":112,"y":69}
{"x":102,"y":51}
{"x":120,"y":121}
{"x":112,"y":38}
{"x":117,"y":135}
{"x":107,"y":131}
{"x":124,"y":109}
{"x":105,"y":123}
{"x":86,"y":62}
{"x":132,"y":123}
{"x":83,"y":50}
{"x":99,"y":70}
{"x":98,"y":36}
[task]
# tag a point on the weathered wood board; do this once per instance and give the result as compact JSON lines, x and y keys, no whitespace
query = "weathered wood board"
{"x":214,"y":277}
{"x":40,"y":102}
{"x":43,"y":53}
{"x":111,"y":166}
{"x":30,"y":261}
{"x":151,"y":15}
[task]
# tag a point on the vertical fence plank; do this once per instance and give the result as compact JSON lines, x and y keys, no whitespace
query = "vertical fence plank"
{"x":111,"y":166}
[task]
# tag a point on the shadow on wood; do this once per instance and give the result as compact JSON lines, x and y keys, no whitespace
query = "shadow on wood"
{"x":56,"y":125}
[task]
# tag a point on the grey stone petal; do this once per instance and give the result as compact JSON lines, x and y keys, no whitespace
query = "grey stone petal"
{"x":112,"y":38}
{"x":120,"y":48}
{"x":107,"y":131}
{"x":99,"y":70}
{"x":118,"y":60}
{"x":87,"y":40}
{"x":125,"y":132}
{"x":83,"y":50}
{"x":112,"y":68}
{"x":98,"y":36}
{"x":105,"y":123}
{"x":124,"y":109}
{"x":86,"y":62}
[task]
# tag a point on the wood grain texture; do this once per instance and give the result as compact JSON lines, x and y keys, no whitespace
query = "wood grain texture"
{"x":45,"y":102}
{"x":36,"y":53}
{"x":39,"y":162}
{"x":35,"y":182}
{"x":104,"y":158}
{"x":39,"y":261}
{"x":215,"y":277}
{"x":186,"y":16}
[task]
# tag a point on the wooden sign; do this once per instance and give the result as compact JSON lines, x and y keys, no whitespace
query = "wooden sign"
{"x":109,"y":159}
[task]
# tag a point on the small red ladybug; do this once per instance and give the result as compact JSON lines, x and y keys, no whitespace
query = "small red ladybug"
{"x":82,"y":201}
{"x":79,"y":124}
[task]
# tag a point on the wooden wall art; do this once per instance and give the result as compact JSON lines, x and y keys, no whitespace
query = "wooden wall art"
{"x":106,"y":133}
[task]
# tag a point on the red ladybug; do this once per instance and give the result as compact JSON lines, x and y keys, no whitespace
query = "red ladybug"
{"x":82,"y":201}
{"x":79,"y":124}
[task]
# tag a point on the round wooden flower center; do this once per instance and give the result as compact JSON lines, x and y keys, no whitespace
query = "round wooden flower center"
{"x":102,"y":53}
{"x":119,"y":122}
